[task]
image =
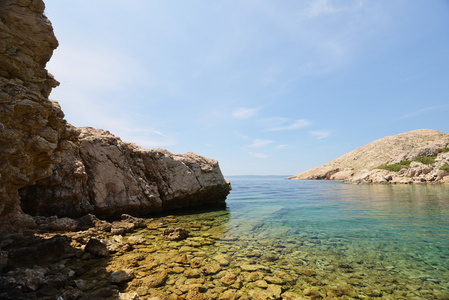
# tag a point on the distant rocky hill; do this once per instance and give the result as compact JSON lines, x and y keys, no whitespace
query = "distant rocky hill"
{"x":48,"y":167}
{"x":417,"y":156}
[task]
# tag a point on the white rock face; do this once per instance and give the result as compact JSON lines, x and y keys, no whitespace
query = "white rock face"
{"x":100,"y":174}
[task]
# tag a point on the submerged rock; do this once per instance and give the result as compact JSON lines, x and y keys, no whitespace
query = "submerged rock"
{"x":122,"y":275}
{"x":175,"y":234}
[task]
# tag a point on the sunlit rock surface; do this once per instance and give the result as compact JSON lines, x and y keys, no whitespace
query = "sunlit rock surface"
{"x":361,"y":165}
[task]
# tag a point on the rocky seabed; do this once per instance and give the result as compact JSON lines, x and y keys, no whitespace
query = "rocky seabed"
{"x":204,"y":256}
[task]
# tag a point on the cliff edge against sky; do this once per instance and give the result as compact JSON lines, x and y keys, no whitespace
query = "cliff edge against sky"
{"x":411,"y":157}
{"x":49,"y":167}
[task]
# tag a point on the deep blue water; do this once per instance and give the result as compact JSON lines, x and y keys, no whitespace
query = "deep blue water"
{"x":404,"y":226}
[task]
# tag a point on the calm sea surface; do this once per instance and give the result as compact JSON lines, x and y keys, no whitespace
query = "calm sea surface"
{"x":369,"y":233}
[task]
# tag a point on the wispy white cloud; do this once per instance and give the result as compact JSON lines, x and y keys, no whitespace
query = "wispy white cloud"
{"x":336,"y":30}
{"x":259,"y":155}
{"x":320,"y":134}
{"x":142,"y":130}
{"x":244,"y":113}
{"x":281,"y":146}
{"x":422,"y":111}
{"x":319,"y":8}
{"x":298,"y":124}
{"x":257,"y":143}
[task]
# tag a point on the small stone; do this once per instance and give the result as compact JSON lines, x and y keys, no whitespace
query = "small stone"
{"x":274,"y":280}
{"x":228,"y":279}
{"x":194,"y":292}
{"x":182,"y":259}
{"x":97,"y":248}
{"x":178,"y":270}
{"x":175,"y":234}
{"x":374,"y":293}
{"x":274,"y":290}
{"x":269,"y":258}
{"x":155,"y":280}
{"x":254,"y":276}
{"x":135,"y":240}
{"x":261,"y":283}
{"x":228,"y":295}
{"x":138,"y":222}
{"x":187,"y":249}
{"x":261,"y":295}
{"x":223,"y":259}
{"x":191,"y":273}
{"x":211,"y":268}
{"x":253,"y":254}
{"x":307,"y":272}
{"x":252,"y":268}
{"x":314,"y":294}
{"x":292,"y":296}
{"x":122,"y":275}
{"x":196,"y":262}
{"x":128,"y":296}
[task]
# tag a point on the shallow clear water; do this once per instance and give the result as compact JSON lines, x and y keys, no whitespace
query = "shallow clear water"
{"x":401,"y":229}
{"x":291,"y":239}
{"x":406,"y":214}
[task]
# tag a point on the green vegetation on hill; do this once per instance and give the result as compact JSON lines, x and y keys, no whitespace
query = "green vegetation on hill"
{"x":428,"y":160}
{"x":395,"y":167}
{"x":445,"y":167}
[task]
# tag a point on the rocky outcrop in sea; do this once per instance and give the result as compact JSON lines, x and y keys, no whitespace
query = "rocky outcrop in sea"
{"x":418,"y":156}
{"x":100,"y":174}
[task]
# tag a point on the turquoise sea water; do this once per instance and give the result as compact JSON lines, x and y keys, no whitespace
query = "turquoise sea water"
{"x":393,"y":233}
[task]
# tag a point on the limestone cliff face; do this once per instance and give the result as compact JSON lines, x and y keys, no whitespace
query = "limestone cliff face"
{"x":30,"y":124}
{"x":100,"y":174}
{"x":77,"y":170}
{"x":360,"y":165}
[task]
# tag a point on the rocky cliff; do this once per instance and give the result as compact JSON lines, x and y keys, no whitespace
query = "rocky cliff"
{"x":30,"y":124}
{"x":416,"y":156}
{"x":67,"y":171}
{"x":100,"y":174}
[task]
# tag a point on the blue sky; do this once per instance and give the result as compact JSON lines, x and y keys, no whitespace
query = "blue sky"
{"x":264,"y":87}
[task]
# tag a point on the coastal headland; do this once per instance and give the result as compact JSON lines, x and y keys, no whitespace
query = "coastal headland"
{"x":418,"y":156}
